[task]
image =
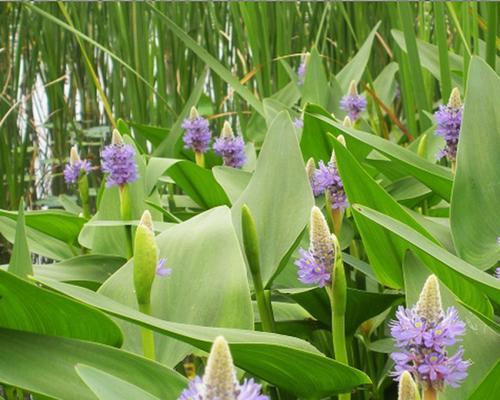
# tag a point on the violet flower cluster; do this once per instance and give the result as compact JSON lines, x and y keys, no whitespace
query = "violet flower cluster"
{"x":74,"y":169}
{"x":449,"y":121}
{"x":326,"y":179}
{"x":315,"y":265}
{"x":197,"y":134}
{"x":118,"y":161}
{"x":248,"y":390}
{"x":423,"y":338}
{"x":353,"y":103}
{"x":298,"y":123}
{"x":301,"y":72}
{"x":219,"y":380}
{"x":231,"y":148}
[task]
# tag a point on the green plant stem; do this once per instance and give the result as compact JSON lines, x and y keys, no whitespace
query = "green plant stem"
{"x":148,"y":339}
{"x":491,"y":35}
{"x":83,"y":188}
{"x":126,"y":215}
{"x":338,"y":298}
{"x":200,"y":159}
{"x":251,"y":245}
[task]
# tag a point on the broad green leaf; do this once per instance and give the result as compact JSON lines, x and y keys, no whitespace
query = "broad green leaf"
{"x":280,"y":360}
{"x":480,"y":342}
{"x":353,"y":71}
{"x":108,"y":387}
{"x":58,"y":224}
{"x":20,"y":260}
{"x":27,"y":307}
{"x":92,"y":269}
{"x":272,"y":108}
{"x":69,"y":204}
{"x":385,"y":84}
{"x":233,"y":181}
{"x":475,"y":221}
{"x":45,"y":365}
{"x":360,"y":307}
{"x":438,"y":178}
{"x":278,"y":190}
{"x":38,"y":242}
{"x":489,"y":387}
{"x":466,"y":282}
{"x":213,"y":63}
{"x":197,"y":250}
{"x":199,"y":183}
{"x":153,"y":134}
{"x":385,"y":251}
{"x":315,"y":88}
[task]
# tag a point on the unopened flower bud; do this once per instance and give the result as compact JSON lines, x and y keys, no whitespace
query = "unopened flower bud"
{"x":455,"y":101}
{"x":347,"y":122}
{"x":321,"y":241}
{"x":74,"y":158}
{"x":116,"y":138}
{"x":145,"y":258}
{"x":429,"y":305}
{"x":407,"y":388}
{"x":193,"y":113}
{"x":220,"y":377}
{"x":310,"y":167}
{"x":227,"y":131}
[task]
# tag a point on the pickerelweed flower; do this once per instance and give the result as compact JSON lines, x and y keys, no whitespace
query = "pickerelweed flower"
{"x":353,"y":103}
{"x":197,"y":134}
{"x":326,"y":178}
{"x":315,"y":265}
{"x":219,"y":381}
{"x":301,"y":71}
{"x":161,"y":270}
{"x":422,"y":333}
{"x":231,"y":148}
{"x":75,"y":167}
{"x":118,"y":161}
{"x":298,"y":123}
{"x":449,"y":121}
{"x":497,"y":272}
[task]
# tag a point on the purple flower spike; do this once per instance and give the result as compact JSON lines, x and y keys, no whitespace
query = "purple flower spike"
{"x":327,"y":178}
{"x":118,"y":161}
{"x":422,"y":334}
{"x":353,"y":103}
{"x":230,"y":148}
{"x":197,"y":136}
{"x":301,"y":71}
{"x":160,"y":268}
{"x":315,"y":265}
{"x":75,"y":168}
{"x":449,"y":121}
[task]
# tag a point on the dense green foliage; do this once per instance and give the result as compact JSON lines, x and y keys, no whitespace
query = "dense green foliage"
{"x":70,"y":324}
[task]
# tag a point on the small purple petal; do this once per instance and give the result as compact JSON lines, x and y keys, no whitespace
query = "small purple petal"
{"x":73,"y":171}
{"x":449,"y":121}
{"x":353,"y":104}
{"x":327,"y":178}
{"x":160,"y":268}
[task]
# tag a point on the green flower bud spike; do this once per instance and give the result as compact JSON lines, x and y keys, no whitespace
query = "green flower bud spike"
{"x":347,"y":122}
{"x":145,"y":261}
{"x":220,"y":377}
{"x":429,"y":304}
{"x":407,"y":388}
{"x":251,"y":246}
{"x":310,"y":167}
{"x":338,"y":299}
{"x":455,"y":101}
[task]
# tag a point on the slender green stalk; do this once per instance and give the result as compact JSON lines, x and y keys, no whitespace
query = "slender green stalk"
{"x":338,"y":300}
{"x":491,"y":35}
{"x":147,"y":335}
{"x":251,"y":245}
{"x":200,"y":159}
{"x":444,"y":63}
{"x":126,"y":215}
{"x":83,"y":189}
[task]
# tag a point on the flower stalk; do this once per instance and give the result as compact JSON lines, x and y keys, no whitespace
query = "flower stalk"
{"x":338,"y":301}
{"x":251,"y":245}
